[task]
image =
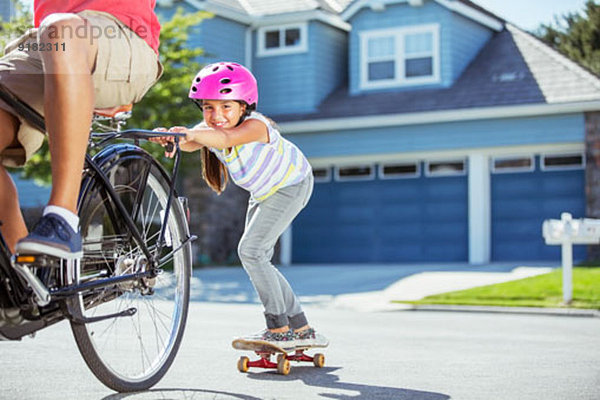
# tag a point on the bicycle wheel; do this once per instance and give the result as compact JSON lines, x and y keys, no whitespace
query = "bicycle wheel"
{"x":132,"y":353}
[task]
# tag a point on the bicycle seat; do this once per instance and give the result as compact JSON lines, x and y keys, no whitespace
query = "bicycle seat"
{"x":112,"y":112}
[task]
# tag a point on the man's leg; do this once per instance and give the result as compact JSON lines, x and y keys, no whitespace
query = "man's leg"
{"x":68,"y":103}
{"x":68,"y":108}
{"x":13,"y":226}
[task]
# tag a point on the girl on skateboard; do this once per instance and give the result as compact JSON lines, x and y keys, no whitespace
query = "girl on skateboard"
{"x":235,"y":138}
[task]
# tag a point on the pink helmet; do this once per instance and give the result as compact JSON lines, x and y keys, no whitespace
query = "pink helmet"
{"x":225,"y":81}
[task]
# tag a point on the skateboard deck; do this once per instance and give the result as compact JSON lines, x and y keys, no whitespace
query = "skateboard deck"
{"x":265,"y":350}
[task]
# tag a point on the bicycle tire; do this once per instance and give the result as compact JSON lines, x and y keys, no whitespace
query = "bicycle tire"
{"x":131,"y":353}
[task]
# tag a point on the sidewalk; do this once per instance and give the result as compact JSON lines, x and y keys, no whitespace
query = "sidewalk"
{"x":373,"y":287}
{"x":418,"y":286}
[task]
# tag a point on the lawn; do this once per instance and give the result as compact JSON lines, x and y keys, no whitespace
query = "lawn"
{"x":538,"y":291}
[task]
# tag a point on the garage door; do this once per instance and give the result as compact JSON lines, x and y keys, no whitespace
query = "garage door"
{"x":393,"y":212}
{"x":525,"y":192}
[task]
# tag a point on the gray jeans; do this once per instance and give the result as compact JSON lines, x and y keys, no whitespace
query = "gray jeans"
{"x":265,"y":222}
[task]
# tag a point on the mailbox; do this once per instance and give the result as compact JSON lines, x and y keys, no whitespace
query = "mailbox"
{"x":569,"y":230}
{"x":566,"y":232}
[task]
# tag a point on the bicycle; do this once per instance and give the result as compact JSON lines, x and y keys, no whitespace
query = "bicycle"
{"x":127,"y":298}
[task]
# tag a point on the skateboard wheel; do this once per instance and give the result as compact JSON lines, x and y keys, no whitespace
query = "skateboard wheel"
{"x":243,"y":364}
{"x":283,"y":366}
{"x":319,"y":360}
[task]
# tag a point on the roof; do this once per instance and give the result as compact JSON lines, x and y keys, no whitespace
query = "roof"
{"x":257,"y":8}
{"x":514,"y":68}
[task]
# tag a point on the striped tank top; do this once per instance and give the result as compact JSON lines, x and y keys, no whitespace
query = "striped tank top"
{"x":263,"y":168}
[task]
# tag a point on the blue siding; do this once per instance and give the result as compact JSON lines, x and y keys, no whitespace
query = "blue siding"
{"x":328,"y":47}
{"x":297,"y":83}
{"x":421,"y":219}
{"x":467,"y":37}
{"x":520,"y":204}
{"x":460,"y":39}
{"x":567,"y":128}
{"x":7,"y":10}
{"x":31,"y":194}
{"x":221,"y":39}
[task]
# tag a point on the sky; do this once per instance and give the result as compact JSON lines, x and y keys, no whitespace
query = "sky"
{"x":529,"y":14}
{"x":526,"y":14}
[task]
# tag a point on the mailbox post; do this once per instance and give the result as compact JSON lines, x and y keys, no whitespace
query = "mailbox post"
{"x":566,"y":232}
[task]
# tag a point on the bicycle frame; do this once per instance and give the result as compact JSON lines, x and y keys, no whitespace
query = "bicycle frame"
{"x":53,"y":303}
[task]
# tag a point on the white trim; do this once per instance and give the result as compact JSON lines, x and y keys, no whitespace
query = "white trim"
{"x":248,"y":49}
{"x":431,"y":174}
{"x":301,"y":16}
{"x":480,"y":213}
{"x":221,"y":11}
{"x":285,"y":247}
{"x":511,"y":170}
{"x":399,"y":57}
{"x":338,"y":178}
{"x":356,"y":6}
{"x":301,"y":47}
{"x":543,"y":166}
{"x":363,"y":159}
{"x":324,"y":179}
{"x":384,"y":176}
{"x":455,"y":6}
{"x":473,"y":14}
{"x":256,"y":20}
{"x":431,"y":117}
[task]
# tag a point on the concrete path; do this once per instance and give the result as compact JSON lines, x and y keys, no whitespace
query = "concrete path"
{"x":361,"y":287}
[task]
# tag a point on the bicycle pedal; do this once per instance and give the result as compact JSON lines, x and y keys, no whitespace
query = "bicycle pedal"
{"x":38,"y":260}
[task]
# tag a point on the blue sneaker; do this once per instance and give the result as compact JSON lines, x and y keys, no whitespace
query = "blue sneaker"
{"x":52,"y":236}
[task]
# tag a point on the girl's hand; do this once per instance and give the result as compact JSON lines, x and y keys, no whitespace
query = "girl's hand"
{"x":165,"y":141}
{"x":182,"y":129}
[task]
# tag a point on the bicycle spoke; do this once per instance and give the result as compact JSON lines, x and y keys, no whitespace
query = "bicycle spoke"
{"x":130,"y":352}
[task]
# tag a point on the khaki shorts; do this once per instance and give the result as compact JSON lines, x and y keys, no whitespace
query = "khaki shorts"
{"x":126,"y":67}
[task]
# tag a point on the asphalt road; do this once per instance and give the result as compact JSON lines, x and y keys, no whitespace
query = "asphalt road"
{"x":393,"y":355}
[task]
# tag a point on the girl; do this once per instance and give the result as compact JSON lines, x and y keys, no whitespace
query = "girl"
{"x":236,"y":139}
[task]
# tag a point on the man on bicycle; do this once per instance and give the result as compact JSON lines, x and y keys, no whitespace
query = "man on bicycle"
{"x":82,"y":55}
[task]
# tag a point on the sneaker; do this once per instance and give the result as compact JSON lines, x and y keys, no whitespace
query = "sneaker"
{"x":52,"y":236}
{"x":284,"y":340}
{"x":310,"y":338}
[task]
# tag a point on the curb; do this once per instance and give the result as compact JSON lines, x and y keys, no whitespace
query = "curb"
{"x":569,"y":312}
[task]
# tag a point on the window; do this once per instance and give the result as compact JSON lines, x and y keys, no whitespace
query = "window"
{"x":322,"y":174}
{"x":513,"y":164}
{"x":354,"y":173}
{"x":399,"y":170}
{"x":563,"y":161}
{"x":279,"y":40}
{"x":399,"y":57}
{"x":445,"y":168}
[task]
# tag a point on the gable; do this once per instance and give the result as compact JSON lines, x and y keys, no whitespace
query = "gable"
{"x":465,"y":8}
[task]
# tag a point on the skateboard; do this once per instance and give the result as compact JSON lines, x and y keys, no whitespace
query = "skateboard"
{"x":265,"y":350}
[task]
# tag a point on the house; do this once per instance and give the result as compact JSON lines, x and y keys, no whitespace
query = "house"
{"x":7,"y":10}
{"x":437,"y":131}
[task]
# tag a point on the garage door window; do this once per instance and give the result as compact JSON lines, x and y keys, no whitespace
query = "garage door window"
{"x":399,"y":170}
{"x":553,"y":162}
{"x":512,"y":164}
{"x":355,"y":173}
{"x":445,"y":168}
{"x":322,"y":174}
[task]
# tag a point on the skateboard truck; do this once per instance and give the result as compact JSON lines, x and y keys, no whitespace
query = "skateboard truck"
{"x":283,"y":361}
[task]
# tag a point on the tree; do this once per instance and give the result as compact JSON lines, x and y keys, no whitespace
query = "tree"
{"x":577,"y":36}
{"x":17,"y":26}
